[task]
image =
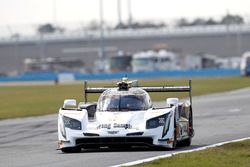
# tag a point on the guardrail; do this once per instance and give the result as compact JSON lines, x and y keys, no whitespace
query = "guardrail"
{"x":134,"y":33}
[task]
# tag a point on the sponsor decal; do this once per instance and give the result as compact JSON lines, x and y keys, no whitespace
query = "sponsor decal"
{"x":125,"y":126}
{"x":104,"y":126}
{"x":113,"y":132}
{"x":115,"y":125}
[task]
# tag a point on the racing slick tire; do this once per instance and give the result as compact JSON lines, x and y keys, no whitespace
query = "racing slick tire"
{"x":71,"y":150}
{"x":186,"y":142}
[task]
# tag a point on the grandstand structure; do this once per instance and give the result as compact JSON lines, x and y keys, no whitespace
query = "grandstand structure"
{"x":220,"y":40}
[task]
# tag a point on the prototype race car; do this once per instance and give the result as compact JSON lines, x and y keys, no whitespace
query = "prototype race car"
{"x":124,"y":116}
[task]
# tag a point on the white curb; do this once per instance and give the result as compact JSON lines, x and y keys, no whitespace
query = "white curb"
{"x":180,"y":152}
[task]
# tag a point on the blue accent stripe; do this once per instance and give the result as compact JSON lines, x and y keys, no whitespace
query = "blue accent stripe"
{"x":50,"y":76}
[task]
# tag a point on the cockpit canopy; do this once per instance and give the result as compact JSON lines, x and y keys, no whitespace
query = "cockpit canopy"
{"x":115,"y":100}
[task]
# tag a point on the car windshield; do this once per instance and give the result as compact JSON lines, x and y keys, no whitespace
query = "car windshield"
{"x":122,"y":103}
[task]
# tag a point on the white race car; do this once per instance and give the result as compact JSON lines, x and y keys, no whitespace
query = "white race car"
{"x":124,"y":116}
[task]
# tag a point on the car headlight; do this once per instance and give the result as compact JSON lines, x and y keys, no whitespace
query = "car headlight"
{"x":72,"y":123}
{"x":157,"y":121}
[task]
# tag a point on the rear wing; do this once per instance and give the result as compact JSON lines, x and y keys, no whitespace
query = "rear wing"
{"x":187,"y":88}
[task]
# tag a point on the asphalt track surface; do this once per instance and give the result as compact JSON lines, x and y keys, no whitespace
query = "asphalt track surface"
{"x":32,"y":141}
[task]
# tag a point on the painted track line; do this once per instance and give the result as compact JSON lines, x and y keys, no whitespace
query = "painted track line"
{"x":180,"y":152}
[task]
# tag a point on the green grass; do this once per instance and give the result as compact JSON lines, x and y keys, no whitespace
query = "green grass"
{"x":229,"y":155}
{"x":22,"y":101}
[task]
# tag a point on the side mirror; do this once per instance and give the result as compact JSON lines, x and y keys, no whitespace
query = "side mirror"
{"x":69,"y":103}
{"x":172,"y":102}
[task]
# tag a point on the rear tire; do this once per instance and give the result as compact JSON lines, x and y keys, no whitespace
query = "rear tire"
{"x":187,"y":142}
{"x":71,"y":150}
